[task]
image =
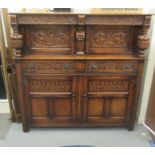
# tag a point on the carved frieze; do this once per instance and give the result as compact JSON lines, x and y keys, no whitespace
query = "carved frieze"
{"x":109,"y":38}
{"x":46,"y":19}
{"x":108,"y":85}
{"x":50,"y":38}
{"x":50,"y":85}
{"x":115,"y":20}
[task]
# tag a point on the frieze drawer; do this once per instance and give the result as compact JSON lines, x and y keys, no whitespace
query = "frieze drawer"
{"x":112,"y":67}
{"x":50,"y":67}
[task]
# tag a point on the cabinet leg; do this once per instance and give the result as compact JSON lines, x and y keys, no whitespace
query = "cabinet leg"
{"x":25,"y":129}
{"x":130,"y":128}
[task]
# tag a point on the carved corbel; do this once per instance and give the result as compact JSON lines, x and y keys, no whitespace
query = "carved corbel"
{"x":16,"y":39}
{"x":80,"y":35}
{"x":143,"y":39}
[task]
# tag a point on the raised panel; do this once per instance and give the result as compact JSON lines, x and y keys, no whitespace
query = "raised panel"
{"x":95,"y":107}
{"x":62,"y":107}
{"x":118,"y":107}
{"x":53,"y":39}
{"x":109,"y":40}
{"x":39,"y":107}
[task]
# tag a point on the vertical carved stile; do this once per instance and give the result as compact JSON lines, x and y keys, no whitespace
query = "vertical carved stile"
{"x":16,"y":39}
{"x":80,"y":35}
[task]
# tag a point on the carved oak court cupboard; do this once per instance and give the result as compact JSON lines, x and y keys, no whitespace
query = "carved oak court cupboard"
{"x":79,"y":70}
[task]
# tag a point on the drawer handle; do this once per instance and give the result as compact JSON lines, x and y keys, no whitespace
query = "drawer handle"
{"x":31,"y":66}
{"x":127,"y":67}
{"x":66,"y":66}
{"x":94,"y":66}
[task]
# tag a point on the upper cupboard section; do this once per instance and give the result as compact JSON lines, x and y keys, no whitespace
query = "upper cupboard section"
{"x":57,"y":39}
{"x":79,"y":34}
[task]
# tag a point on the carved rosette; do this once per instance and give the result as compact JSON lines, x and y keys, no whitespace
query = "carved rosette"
{"x":16,"y":39}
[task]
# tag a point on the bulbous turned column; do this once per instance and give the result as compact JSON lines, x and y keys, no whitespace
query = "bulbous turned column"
{"x":16,"y":39}
{"x":142,"y":44}
{"x":17,"y":44}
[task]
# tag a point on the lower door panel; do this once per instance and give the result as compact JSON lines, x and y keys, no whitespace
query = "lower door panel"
{"x":50,"y":100}
{"x":107,"y":100}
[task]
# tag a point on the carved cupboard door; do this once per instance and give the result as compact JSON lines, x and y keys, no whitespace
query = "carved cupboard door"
{"x":50,"y":100}
{"x":109,"y":39}
{"x":107,"y":99}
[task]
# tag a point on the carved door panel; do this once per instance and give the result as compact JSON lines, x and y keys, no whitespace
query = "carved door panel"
{"x":49,"y":39}
{"x":109,"y":40}
{"x":107,"y":100}
{"x":50,"y":100}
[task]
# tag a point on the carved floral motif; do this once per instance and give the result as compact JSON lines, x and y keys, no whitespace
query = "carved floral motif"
{"x":108,"y":85}
{"x":50,"y":38}
{"x":110,"y":38}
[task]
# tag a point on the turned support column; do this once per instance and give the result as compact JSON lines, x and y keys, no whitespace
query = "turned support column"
{"x":143,"y":39}
{"x":16,"y":39}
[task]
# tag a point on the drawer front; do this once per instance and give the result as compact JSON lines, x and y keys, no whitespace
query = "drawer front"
{"x":111,"y":67}
{"x":50,"y":67}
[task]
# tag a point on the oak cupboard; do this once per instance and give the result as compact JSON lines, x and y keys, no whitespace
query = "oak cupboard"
{"x":79,"y":70}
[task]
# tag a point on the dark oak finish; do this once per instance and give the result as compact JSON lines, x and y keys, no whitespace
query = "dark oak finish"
{"x":79,"y":70}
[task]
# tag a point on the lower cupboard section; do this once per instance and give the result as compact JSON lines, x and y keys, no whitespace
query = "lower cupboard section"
{"x":78,"y":101}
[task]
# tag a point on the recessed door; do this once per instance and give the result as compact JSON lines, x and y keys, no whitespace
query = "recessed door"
{"x":107,"y":100}
{"x":51,"y":100}
{"x":49,"y":39}
{"x":109,"y":40}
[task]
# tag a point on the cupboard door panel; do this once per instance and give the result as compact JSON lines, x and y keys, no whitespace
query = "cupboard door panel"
{"x":109,"y":40}
{"x":51,"y":99}
{"x":39,"y":107}
{"x":50,"y":39}
{"x":62,"y":107}
{"x":118,"y":107}
{"x":107,"y":99}
{"x":95,"y":107}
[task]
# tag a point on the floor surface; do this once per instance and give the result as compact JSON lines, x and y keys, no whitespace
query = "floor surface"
{"x":100,"y":137}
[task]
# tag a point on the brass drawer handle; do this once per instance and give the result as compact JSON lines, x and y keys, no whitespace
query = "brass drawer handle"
{"x":127,"y":67}
{"x":32,"y":66}
{"x":94,"y":66}
{"x":66,"y":66}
